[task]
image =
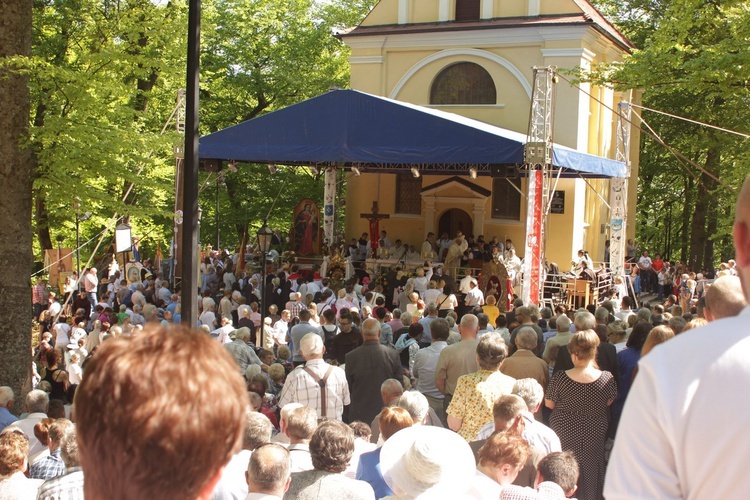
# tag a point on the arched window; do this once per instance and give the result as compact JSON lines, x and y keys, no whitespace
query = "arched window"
{"x":463,"y":83}
{"x":467,"y":10}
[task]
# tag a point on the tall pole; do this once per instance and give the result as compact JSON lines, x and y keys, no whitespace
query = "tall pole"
{"x":78,"y":252}
{"x":218,"y":241}
{"x":262,"y":302}
{"x":189,"y":265}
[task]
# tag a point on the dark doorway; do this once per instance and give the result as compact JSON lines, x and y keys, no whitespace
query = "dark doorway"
{"x":453,"y":221}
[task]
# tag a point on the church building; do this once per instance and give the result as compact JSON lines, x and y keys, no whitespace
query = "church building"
{"x":475,"y":58}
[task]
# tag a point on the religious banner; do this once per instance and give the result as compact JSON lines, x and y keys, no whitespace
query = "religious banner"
{"x":58,"y":261}
{"x":617,"y":235}
{"x":495,"y":282}
{"x":305,"y":239}
{"x":532,"y":268}
{"x":329,"y":197}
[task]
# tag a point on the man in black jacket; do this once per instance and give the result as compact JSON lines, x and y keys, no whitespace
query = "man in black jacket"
{"x":367,"y":367}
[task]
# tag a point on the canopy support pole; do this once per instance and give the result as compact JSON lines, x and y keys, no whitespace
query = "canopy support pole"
{"x":618,"y":194}
{"x":537,"y":162}
{"x":329,"y":200}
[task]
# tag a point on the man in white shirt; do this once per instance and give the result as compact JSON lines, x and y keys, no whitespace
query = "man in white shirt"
{"x":475,"y":297}
{"x":646,"y":272}
{"x":300,"y":426}
{"x":37,"y":404}
{"x":681,"y":431}
{"x":304,"y":384}
{"x":90,"y":283}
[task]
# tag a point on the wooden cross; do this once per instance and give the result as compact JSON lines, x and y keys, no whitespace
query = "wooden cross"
{"x":374,"y":219}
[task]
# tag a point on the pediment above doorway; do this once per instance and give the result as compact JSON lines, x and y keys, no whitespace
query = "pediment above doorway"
{"x":456,"y":186}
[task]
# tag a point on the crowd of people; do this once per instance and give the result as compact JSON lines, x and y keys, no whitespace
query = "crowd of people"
{"x":424,"y":389}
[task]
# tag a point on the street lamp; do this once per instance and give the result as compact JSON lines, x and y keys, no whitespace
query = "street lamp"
{"x":264,"y":244}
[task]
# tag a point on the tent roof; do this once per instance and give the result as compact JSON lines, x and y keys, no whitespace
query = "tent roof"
{"x":351,"y":128}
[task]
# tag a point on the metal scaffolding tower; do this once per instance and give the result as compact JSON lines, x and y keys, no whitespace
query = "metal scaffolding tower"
{"x":538,"y":166}
{"x":618,"y":194}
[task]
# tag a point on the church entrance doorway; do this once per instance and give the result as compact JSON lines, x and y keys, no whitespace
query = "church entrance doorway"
{"x":455,"y":220}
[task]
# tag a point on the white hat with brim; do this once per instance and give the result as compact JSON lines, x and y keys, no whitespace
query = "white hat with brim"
{"x":426,"y":462}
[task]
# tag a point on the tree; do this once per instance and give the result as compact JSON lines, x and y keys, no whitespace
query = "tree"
{"x":259,"y":56}
{"x":105,"y":78}
{"x":693,"y":62}
{"x":15,"y":204}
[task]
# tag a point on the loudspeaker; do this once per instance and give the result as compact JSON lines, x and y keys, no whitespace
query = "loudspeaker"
{"x":504,"y":171}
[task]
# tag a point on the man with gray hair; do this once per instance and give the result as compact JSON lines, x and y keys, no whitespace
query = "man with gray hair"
{"x":391,"y":393}
{"x":601,"y":315}
{"x":301,"y":424}
{"x":724,"y":298}
{"x":6,"y":405}
{"x":419,"y":409}
{"x":524,"y":363}
{"x":523,"y":316}
{"x":536,"y":433}
{"x":367,"y":367}
{"x":286,"y":410}
{"x":317,"y":384}
{"x":70,"y":484}
{"x":457,"y":359}
{"x":37,"y":404}
{"x":559,"y":339}
{"x":432,"y":315}
{"x":242,"y":353}
{"x":425,"y":363}
{"x":298,"y":331}
{"x":233,"y":484}
{"x":268,"y":473}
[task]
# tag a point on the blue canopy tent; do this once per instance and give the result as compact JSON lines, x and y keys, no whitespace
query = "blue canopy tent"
{"x":345,"y":128}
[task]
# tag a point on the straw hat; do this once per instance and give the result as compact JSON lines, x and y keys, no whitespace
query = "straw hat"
{"x":426,"y":462}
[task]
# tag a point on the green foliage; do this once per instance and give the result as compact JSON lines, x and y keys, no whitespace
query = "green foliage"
{"x":104,"y":80}
{"x":692,"y":62}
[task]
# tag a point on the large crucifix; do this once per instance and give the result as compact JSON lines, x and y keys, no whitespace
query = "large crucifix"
{"x":374,"y":219}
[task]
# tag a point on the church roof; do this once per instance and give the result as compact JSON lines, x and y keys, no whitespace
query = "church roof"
{"x":589,"y":16}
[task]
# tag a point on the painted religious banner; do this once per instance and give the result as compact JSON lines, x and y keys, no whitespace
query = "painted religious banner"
{"x":58,"y":261}
{"x":305,"y":240}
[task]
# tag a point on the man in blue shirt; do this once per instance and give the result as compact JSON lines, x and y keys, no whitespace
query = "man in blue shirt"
{"x":6,"y":405}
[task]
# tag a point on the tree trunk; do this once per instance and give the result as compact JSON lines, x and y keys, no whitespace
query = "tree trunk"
{"x":686,"y":211}
{"x":698,"y":230}
{"x":41,"y":217}
{"x":711,"y":224}
{"x":15,"y":204}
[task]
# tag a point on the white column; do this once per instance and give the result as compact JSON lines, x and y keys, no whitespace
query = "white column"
{"x":403,"y":11}
{"x":478,"y":217}
{"x":579,"y":216}
{"x":487,"y":9}
{"x":443,"y":10}
{"x":533,"y":8}
{"x":429,"y":215}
